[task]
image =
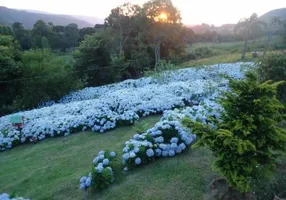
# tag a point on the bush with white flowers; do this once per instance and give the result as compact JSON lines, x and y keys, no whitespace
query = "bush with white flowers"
{"x":103,"y":108}
{"x":6,"y":196}
{"x":168,"y":137}
{"x":101,"y":175}
{"x":165,"y":139}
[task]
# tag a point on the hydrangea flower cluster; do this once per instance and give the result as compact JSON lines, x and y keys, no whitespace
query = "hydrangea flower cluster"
{"x":101,"y":175}
{"x":165,"y":139}
{"x":169,"y":137}
{"x":103,"y":108}
{"x":6,"y":196}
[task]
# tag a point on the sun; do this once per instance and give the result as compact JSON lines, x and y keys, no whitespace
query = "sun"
{"x":163,"y":16}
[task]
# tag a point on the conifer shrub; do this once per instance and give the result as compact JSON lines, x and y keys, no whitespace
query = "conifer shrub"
{"x":273,"y":67}
{"x":247,"y":138}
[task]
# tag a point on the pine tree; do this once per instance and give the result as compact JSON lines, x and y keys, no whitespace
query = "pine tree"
{"x":247,"y":138}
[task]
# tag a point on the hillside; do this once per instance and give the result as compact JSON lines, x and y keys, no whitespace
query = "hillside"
{"x":9,"y":16}
{"x":281,"y":13}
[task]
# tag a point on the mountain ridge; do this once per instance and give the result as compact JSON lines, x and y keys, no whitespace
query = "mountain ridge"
{"x":28,"y":18}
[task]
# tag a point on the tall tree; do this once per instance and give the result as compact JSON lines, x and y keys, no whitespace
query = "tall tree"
{"x":272,"y":28}
{"x":22,"y":35}
{"x":40,"y":30}
{"x":11,"y":68}
{"x":244,"y":28}
{"x":71,"y":33}
{"x":164,"y":21}
{"x":123,"y":21}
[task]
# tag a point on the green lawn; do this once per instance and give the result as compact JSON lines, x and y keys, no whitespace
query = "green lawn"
{"x":276,"y":43}
{"x":51,"y":169}
{"x":228,"y":58}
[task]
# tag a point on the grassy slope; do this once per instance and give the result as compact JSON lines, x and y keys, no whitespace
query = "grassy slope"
{"x":51,"y":169}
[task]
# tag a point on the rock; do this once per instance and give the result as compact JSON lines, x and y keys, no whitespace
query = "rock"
{"x":220,"y":190}
{"x":256,"y":54}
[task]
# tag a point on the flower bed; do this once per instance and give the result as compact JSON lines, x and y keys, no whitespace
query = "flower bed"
{"x":168,"y":137}
{"x":103,"y":108}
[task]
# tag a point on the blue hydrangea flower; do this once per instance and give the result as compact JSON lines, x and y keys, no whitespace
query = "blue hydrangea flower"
{"x":99,"y":169}
{"x":136,"y":149}
{"x":183,"y":146}
{"x":82,"y":179}
{"x":126,"y":156}
{"x":132,"y":154}
{"x":172,"y":153}
{"x":174,"y":146}
{"x":88,"y":182}
{"x":101,"y":156}
{"x":159,"y":139}
{"x":105,"y":162}
{"x":165,"y":153}
{"x":158,"y":152}
{"x":150,"y":153}
{"x":138,"y":161}
{"x":112,"y":154}
{"x":163,"y":146}
{"x":174,"y":140}
{"x":96,"y":160}
{"x":109,"y":168}
{"x":82,"y":186}
{"x":178,"y":150}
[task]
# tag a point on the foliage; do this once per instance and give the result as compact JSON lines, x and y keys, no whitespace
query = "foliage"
{"x":203,"y":52}
{"x":101,"y":175}
{"x":23,"y":36}
{"x":165,"y":139}
{"x":248,"y":28}
{"x":273,"y":67}
{"x":11,"y":68}
{"x":93,"y":60}
{"x":247,"y":138}
{"x":47,"y":75}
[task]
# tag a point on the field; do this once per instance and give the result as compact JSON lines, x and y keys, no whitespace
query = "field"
{"x":51,"y":169}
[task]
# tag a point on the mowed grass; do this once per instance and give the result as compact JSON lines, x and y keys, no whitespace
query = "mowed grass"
{"x":51,"y":169}
{"x":276,"y":43}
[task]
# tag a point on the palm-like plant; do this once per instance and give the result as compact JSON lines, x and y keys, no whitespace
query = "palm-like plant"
{"x":245,"y":27}
{"x":272,"y":28}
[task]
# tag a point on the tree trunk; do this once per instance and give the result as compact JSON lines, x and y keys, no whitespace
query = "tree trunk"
{"x":157,"y":51}
{"x":244,"y":50}
{"x":267,"y":45}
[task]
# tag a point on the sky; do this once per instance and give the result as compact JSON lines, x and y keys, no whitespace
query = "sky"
{"x":193,"y":12}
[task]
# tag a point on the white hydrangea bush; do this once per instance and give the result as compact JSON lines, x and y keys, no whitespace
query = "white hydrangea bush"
{"x":5,"y":196}
{"x":102,"y":174}
{"x":103,"y":108}
{"x":168,"y":137}
{"x":165,"y":139}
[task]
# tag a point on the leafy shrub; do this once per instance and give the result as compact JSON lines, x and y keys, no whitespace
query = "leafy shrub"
{"x":247,"y":138}
{"x":165,"y":139}
{"x":101,"y":175}
{"x":47,"y":75}
{"x":273,"y":67}
{"x":203,"y":52}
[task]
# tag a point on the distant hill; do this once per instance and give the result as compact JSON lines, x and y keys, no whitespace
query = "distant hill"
{"x":281,"y":13}
{"x":28,"y":18}
{"x":224,"y":29}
